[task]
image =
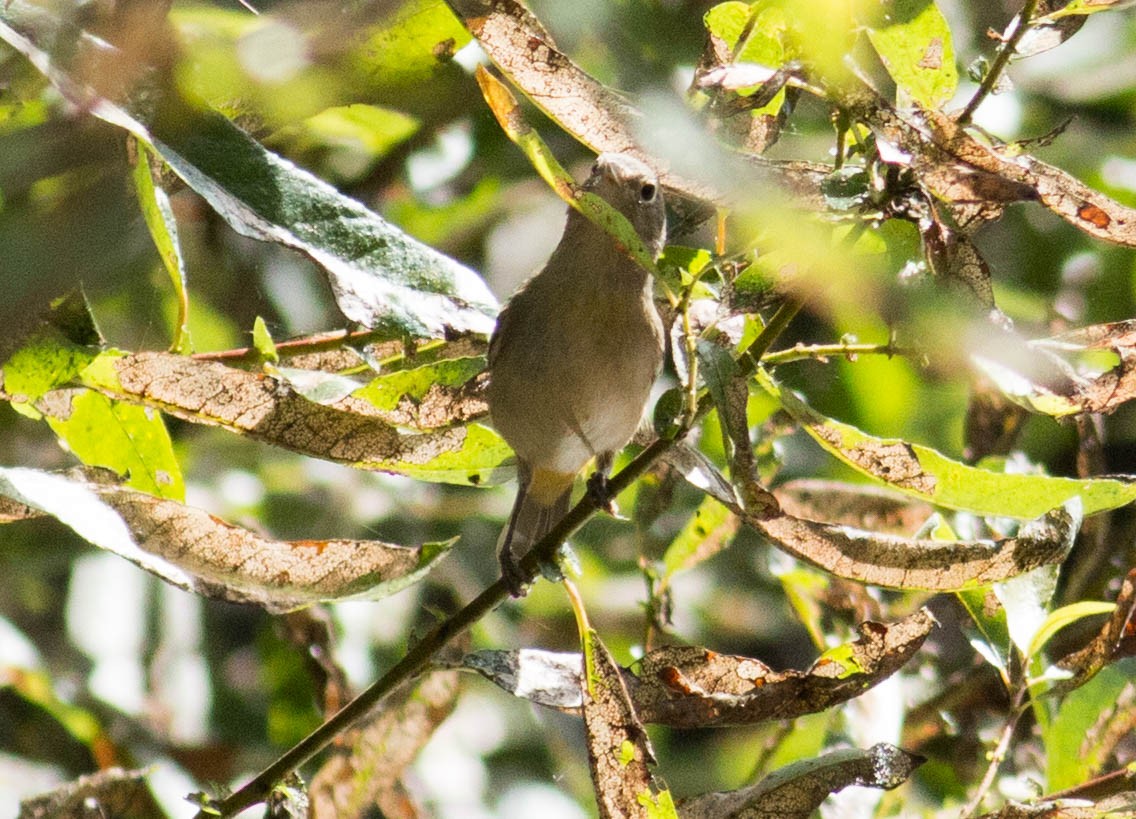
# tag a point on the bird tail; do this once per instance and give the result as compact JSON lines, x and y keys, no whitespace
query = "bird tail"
{"x":542,"y":501}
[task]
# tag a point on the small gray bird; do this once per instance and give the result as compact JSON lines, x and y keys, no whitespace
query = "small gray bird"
{"x":575,"y":353}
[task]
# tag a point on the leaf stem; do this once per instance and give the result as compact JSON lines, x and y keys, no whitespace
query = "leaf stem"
{"x":1009,"y":48}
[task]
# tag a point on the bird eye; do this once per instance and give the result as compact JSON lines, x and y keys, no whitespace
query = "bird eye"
{"x":647,"y":192}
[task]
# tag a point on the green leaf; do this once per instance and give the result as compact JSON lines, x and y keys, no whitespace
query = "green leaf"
{"x":262,"y":341}
{"x":380,"y":277}
{"x":53,"y":355}
{"x":1076,"y":741}
{"x":269,"y":409}
{"x":1065,"y":616}
{"x":1085,"y":7}
{"x":160,"y":221}
{"x":508,"y":113}
{"x":127,"y":438}
{"x":765,"y":31}
{"x":703,"y":535}
{"x":727,"y":21}
{"x":386,"y":391}
{"x":927,"y":474}
{"x":914,"y":43}
{"x":482,"y":459}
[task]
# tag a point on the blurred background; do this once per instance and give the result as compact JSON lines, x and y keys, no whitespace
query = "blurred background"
{"x":95,"y":654}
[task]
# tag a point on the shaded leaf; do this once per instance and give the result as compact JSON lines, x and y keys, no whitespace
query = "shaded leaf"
{"x":380,"y":277}
{"x":263,"y":408}
{"x":113,"y":792}
{"x":924,"y":473}
{"x":1090,"y":722}
{"x":701,"y":473}
{"x":193,"y":550}
{"x":954,"y":258}
{"x":364,"y":770}
{"x":796,"y":790}
{"x":916,"y":563}
{"x":704,"y":534}
{"x":1065,"y":392}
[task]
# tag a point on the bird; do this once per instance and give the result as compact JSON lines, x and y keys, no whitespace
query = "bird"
{"x":574,"y":355}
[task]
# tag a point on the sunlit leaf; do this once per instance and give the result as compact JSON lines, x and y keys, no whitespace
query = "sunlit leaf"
{"x":127,"y":438}
{"x":914,"y":42}
{"x":263,"y":408}
{"x":922,"y":472}
{"x":159,"y":216}
{"x":1084,"y":732}
{"x":195,"y":551}
{"x":1065,"y":616}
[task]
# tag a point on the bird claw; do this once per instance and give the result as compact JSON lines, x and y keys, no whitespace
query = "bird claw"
{"x":599,"y":490}
{"x":512,"y":574}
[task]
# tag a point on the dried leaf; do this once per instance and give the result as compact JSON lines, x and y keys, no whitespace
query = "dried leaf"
{"x":693,"y":687}
{"x":1115,"y":640}
{"x":798,"y":789}
{"x":913,"y":563}
{"x":593,"y":113}
{"x":113,"y":792}
{"x":874,"y":508}
{"x":924,"y":473}
{"x":953,"y":257}
{"x":364,"y":774}
{"x":619,"y":750}
{"x":687,"y":686}
{"x":978,"y":179}
{"x":263,"y":408}
{"x":193,"y":550}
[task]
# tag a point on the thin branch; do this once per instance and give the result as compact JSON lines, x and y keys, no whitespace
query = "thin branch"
{"x":801,"y":352}
{"x":997,"y":756}
{"x":1009,"y":48}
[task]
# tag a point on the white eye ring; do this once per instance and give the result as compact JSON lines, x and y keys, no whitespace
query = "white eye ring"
{"x":648,"y":192}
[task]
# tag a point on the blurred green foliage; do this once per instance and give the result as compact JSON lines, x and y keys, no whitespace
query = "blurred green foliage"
{"x":378,"y":99}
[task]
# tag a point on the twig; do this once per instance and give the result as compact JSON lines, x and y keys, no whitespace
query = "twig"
{"x":1009,"y":48}
{"x":801,"y":352}
{"x":997,"y":756}
{"x":418,"y":657}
